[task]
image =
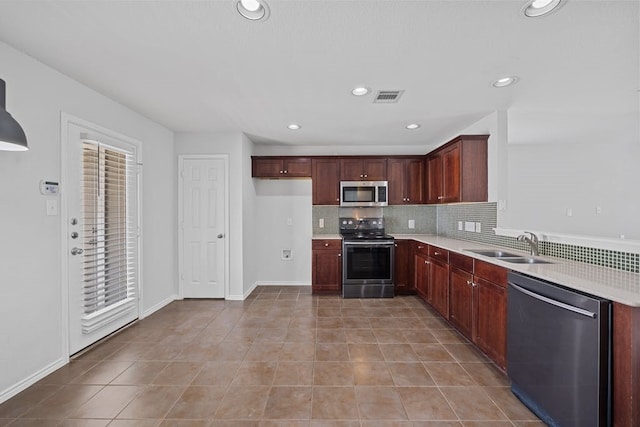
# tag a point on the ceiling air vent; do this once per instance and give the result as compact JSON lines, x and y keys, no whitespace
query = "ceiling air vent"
{"x":388,"y":96}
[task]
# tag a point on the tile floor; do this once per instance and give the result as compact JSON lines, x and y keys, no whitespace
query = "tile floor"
{"x":282,"y":358}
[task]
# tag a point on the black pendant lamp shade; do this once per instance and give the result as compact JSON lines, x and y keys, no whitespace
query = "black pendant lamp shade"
{"x":12,"y":137}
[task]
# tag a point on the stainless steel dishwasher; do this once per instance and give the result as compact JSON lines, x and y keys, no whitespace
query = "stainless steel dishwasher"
{"x":558,"y":352}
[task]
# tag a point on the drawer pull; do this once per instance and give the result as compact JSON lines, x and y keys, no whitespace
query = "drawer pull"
{"x":326,"y":244}
{"x":436,"y":253}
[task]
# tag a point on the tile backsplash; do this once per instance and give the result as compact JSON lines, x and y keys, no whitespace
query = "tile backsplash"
{"x":443,"y":220}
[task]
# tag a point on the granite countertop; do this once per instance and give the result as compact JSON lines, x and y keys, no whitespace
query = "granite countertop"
{"x":616,"y":285}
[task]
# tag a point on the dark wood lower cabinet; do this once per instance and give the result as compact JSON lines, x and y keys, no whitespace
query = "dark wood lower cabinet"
{"x":490,"y":320}
{"x":326,"y":266}
{"x":439,"y":287}
{"x":421,"y":275}
{"x":403,"y":268}
{"x":461,"y":301}
{"x":625,"y":381}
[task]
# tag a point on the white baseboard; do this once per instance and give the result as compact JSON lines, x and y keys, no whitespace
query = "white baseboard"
{"x":32,"y":379}
{"x":269,"y":283}
{"x":159,"y":305}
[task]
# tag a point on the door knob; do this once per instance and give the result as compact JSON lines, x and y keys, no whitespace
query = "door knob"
{"x":76,"y":251}
{"x":220,"y":236}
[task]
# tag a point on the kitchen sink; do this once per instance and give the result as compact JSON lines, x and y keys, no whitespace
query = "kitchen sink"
{"x":493,"y":253}
{"x":522,"y":260}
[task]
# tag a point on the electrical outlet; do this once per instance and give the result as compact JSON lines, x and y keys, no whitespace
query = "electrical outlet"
{"x":459,"y":225}
{"x":478,"y":227}
{"x":289,"y":221}
{"x":412,"y":223}
{"x":321,"y":223}
{"x":569,"y":212}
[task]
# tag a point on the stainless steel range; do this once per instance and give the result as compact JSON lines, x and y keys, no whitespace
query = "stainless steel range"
{"x":367,"y":258}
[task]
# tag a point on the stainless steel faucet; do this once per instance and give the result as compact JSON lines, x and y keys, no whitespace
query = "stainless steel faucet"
{"x":532,"y":241}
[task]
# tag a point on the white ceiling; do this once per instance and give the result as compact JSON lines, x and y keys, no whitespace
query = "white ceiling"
{"x":200,"y":66}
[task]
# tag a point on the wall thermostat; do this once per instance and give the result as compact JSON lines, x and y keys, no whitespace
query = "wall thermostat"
{"x":49,"y":187}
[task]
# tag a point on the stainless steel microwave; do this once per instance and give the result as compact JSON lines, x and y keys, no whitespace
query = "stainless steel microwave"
{"x":363,"y":193}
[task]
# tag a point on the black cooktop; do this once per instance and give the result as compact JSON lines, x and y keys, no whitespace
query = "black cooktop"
{"x":363,"y":229}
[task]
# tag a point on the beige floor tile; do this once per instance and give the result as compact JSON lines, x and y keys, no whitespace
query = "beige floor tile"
{"x":409,"y":374}
{"x":301,"y":335}
{"x":255,"y":373}
{"x":185,"y":423}
{"x":333,"y":374}
{"x":380,"y":403}
{"x":197,"y":402}
{"x":35,"y":422}
{"x":419,"y":336}
{"x":360,"y":336}
{"x":389,"y":336}
{"x":334,"y":403}
{"x":284,"y":423}
{"x":108,"y":402}
{"x":67,"y":373}
{"x":272,"y":334}
{"x":328,"y":352}
{"x":178,"y":373}
{"x":466,"y":353}
{"x":264,"y":351}
{"x":448,"y":374}
{"x":294,"y":373}
{"x":329,"y":322}
{"x":216,"y":373}
{"x":63,"y":402}
{"x":153,"y":402}
{"x":253,"y":401}
{"x":356,"y":323}
{"x":509,"y":404}
{"x":135,"y":423}
{"x":290,"y":403}
{"x":432,"y":353}
{"x":371,"y":373}
{"x":426,"y":403}
{"x":486,"y":374}
{"x":84,"y":423}
{"x":472,"y":404}
{"x":437,"y":424}
{"x":332,"y":335}
{"x":27,"y":399}
{"x":365,"y":352}
{"x":298,"y":351}
{"x":103,"y":373}
{"x":398,"y":353}
{"x":140,"y":373}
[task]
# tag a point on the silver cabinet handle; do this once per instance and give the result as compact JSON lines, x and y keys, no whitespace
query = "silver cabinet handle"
{"x":76,"y":251}
{"x":220,"y":236}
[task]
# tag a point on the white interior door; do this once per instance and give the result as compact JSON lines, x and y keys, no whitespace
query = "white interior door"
{"x":101,"y":201}
{"x":203,"y":226}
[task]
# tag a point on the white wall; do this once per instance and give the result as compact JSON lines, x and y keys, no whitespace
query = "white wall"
{"x":31,"y":326}
{"x":233,"y":145}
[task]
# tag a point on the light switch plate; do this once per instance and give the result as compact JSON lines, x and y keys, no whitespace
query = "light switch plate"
{"x":412,"y":223}
{"x":469,"y":226}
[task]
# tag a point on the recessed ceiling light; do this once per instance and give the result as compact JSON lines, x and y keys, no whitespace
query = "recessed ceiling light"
{"x":412,"y":126}
{"x":505,"y":81}
{"x":293,"y":126}
{"x":536,"y":8}
{"x":254,"y":10}
{"x":359,"y":91}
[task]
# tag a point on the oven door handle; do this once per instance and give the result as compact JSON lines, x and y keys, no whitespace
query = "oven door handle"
{"x":369,"y":243}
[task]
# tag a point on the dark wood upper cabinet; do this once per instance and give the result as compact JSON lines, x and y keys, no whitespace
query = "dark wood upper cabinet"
{"x":325,"y":181}
{"x":406,"y":180}
{"x":280,"y":167}
{"x":457,"y":171}
{"x":363,"y":169}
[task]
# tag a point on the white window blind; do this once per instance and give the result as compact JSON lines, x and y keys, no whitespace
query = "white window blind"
{"x":109,"y":230}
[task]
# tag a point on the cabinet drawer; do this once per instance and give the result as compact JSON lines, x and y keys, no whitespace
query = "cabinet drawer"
{"x":439,"y":254}
{"x":493,"y":273}
{"x":420,"y":248}
{"x":328,"y":244}
{"x":461,"y":262}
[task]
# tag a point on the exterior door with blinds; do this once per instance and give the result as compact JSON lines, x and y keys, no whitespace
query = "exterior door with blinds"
{"x":102,"y":206}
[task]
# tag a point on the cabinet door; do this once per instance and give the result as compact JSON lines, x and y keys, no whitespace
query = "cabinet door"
{"x":299,"y":167}
{"x":351,"y":169}
{"x":434,"y":185}
{"x":461,"y":301}
{"x":414,"y":181}
{"x":421,"y":275}
{"x":451,"y":174}
{"x":267,"y":168}
{"x":403,"y":267}
{"x":439,"y":287}
{"x":326,"y":181}
{"x":375,"y":169}
{"x":396,"y":181}
{"x":327,"y":270}
{"x":491,"y":320}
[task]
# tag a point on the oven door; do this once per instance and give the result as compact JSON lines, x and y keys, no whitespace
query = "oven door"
{"x":367,"y":262}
